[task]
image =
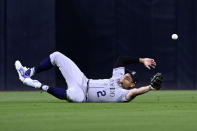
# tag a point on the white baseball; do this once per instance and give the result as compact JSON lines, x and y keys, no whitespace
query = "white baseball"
{"x":174,"y":36}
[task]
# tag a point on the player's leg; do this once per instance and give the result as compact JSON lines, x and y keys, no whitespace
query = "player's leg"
{"x":74,"y":93}
{"x":68,"y":68}
{"x":59,"y":93}
{"x":76,"y":80}
{"x":43,"y":66}
{"x":29,"y":72}
{"x":72,"y":74}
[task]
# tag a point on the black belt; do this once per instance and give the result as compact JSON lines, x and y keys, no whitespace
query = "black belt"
{"x":87,"y":89}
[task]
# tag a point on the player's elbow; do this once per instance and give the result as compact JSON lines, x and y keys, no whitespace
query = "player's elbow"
{"x":119,"y":62}
{"x":133,"y":92}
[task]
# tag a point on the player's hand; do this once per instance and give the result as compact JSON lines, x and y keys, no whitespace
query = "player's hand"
{"x":156,"y":81}
{"x":148,"y":62}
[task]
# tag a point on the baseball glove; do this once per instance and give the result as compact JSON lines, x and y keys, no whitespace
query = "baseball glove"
{"x":156,"y":81}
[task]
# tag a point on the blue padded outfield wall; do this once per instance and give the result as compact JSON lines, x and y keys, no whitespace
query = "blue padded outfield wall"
{"x":95,"y":32}
{"x":2,"y":49}
{"x":29,"y":35}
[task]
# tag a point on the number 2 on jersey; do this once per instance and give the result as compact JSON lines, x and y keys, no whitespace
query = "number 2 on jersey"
{"x":101,"y":93}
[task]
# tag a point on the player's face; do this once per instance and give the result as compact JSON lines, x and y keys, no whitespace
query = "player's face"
{"x":127,"y":81}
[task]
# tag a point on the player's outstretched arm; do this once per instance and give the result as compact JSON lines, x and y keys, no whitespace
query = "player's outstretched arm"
{"x":155,"y":84}
{"x":138,"y":91}
{"x":148,"y":62}
{"x":124,"y":61}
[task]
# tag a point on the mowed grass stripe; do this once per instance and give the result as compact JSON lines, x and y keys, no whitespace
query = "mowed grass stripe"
{"x":154,"y":111}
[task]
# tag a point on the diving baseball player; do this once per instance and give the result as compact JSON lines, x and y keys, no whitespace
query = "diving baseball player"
{"x":118,"y":88}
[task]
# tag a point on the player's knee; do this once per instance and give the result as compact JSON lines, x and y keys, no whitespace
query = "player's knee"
{"x":55,"y":57}
{"x":75,"y":95}
{"x":57,"y":54}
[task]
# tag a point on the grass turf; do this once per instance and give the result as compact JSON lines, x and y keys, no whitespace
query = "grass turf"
{"x":154,"y":111}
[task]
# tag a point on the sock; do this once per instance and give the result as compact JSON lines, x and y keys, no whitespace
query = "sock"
{"x":59,"y":93}
{"x":44,"y":65}
{"x":44,"y":87}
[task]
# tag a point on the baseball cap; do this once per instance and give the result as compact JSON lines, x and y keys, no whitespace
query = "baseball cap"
{"x":133,"y":75}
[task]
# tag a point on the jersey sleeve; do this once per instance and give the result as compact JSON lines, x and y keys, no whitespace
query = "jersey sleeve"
{"x":118,"y":72}
{"x":124,"y":61}
{"x":123,"y":95}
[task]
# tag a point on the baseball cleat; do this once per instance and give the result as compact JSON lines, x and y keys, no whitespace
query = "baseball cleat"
{"x":25,"y":72}
{"x":21,"y":70}
{"x":24,"y":77}
{"x":32,"y":83}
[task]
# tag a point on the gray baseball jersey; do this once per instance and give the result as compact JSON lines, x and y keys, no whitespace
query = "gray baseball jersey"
{"x":107,"y":90}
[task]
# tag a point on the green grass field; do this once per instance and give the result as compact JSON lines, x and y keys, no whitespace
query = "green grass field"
{"x":154,"y":111}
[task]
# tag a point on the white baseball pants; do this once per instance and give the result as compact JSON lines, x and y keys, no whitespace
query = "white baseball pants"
{"x":76,"y":80}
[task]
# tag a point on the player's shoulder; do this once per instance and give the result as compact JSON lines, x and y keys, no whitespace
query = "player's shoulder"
{"x":118,"y":68}
{"x":119,"y":71}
